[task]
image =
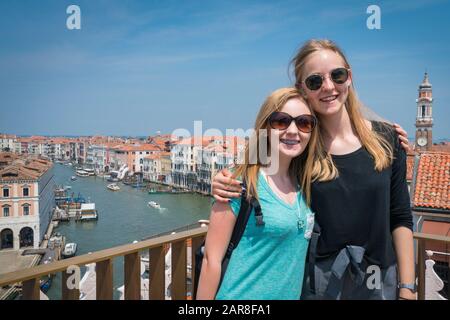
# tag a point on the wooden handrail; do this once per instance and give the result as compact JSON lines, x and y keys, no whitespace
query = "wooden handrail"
{"x":30,"y":277}
{"x":102,"y":255}
{"x":422,"y":238}
{"x":431,"y":237}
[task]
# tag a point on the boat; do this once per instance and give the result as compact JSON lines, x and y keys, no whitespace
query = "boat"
{"x":87,"y":212}
{"x":73,"y":178}
{"x":113,"y":187}
{"x":69,"y":250}
{"x":154,"y":204}
{"x":67,"y":187}
{"x":82,"y":173}
{"x":90,"y":172}
{"x":113,"y":177}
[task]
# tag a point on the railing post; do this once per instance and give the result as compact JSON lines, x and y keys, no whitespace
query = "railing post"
{"x":31,"y":289}
{"x":156,"y":273}
{"x":196,"y":243}
{"x":132,"y":276}
{"x":104,"y":280}
{"x":421,"y":269}
{"x":67,"y":293}
{"x":179,"y":270}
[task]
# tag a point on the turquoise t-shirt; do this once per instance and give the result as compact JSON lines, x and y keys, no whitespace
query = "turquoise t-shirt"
{"x":269,"y":262}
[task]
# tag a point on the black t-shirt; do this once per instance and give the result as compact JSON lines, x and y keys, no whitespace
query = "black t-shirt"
{"x":363,"y":206}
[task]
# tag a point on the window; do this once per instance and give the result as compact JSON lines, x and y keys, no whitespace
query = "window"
{"x":26,"y":191}
{"x":423,"y":111}
{"x":6,"y":211}
{"x":5,"y":192}
{"x":26,"y":210}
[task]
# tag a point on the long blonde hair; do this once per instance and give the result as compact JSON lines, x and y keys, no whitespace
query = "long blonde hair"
{"x":323,"y":168}
{"x":298,"y":166}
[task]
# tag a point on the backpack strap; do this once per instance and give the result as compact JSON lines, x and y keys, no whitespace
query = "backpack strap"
{"x":312,"y":256}
{"x":241,"y":222}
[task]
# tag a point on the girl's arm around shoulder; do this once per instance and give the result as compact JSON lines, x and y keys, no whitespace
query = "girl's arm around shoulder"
{"x":221,"y":224}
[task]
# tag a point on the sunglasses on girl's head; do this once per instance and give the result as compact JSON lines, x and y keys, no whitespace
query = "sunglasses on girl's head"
{"x":315,"y":81}
{"x":281,"y":121}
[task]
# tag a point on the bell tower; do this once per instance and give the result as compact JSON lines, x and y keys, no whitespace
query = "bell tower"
{"x":424,"y":119}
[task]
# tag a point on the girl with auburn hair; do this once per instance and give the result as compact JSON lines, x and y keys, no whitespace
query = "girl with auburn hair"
{"x":269,"y":261}
{"x":362,"y":245}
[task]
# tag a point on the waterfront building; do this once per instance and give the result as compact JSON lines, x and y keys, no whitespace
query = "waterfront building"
{"x":194,"y":162}
{"x":133,"y":155}
{"x":7,"y":142}
{"x":157,"y":167}
{"x":118,"y":158}
{"x":100,"y":158}
{"x":57,"y":149}
{"x":184,"y":158}
{"x":34,"y":145}
{"x":26,"y":200}
{"x":218,"y":154}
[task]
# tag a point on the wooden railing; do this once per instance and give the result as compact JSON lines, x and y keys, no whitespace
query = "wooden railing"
{"x":422,"y":239}
{"x":30,"y":278}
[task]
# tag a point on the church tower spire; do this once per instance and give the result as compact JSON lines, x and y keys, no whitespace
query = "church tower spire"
{"x":424,"y":119}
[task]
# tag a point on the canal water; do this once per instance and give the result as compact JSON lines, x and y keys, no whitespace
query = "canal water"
{"x":124,"y":216}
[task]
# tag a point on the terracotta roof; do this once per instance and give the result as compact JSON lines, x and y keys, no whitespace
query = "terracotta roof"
{"x":137,"y":148}
{"x":6,"y":158}
{"x":7,"y":136}
{"x":433,"y":181}
{"x":158,"y":155}
{"x":58,"y":141}
{"x":30,"y":169}
{"x":441,"y":147}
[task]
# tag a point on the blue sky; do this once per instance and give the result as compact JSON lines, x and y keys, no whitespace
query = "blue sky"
{"x":136,"y":67}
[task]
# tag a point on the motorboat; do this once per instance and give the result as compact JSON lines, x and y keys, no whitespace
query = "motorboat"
{"x":73,"y":178}
{"x":154,"y":204}
{"x":82,"y":173}
{"x":90,"y":172}
{"x":87,"y":212}
{"x":113,"y":187}
{"x":70,"y":250}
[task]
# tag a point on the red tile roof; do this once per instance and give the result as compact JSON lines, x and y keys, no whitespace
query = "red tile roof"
{"x":433,"y":181}
{"x":24,"y":169}
{"x":158,"y":155}
{"x":441,"y":147}
{"x":142,"y":147}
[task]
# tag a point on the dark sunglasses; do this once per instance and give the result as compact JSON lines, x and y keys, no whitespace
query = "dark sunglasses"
{"x":315,"y":81}
{"x":281,"y":121}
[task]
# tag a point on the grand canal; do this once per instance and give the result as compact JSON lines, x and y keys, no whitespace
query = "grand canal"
{"x":124,"y":216}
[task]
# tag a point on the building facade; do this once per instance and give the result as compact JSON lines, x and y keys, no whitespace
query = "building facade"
{"x":26,"y":202}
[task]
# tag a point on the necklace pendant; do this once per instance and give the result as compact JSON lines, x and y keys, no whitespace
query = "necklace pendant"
{"x":300,"y":224}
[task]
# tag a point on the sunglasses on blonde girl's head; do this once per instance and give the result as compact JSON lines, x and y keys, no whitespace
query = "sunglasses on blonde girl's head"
{"x":281,"y":121}
{"x":315,"y":81}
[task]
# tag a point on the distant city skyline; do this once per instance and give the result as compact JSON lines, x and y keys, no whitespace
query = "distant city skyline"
{"x":139,"y":67}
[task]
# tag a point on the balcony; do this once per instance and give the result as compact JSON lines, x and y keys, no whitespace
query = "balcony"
{"x":29,"y":278}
